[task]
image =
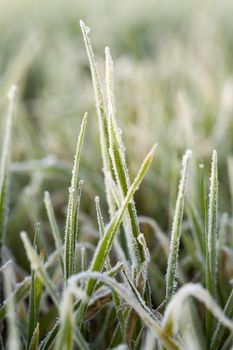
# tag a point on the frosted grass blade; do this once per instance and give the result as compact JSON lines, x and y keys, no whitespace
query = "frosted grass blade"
{"x":176,"y":231}
{"x":54,"y":226}
{"x":174,"y":308}
{"x":71,"y":219}
{"x":65,"y":336}
{"x":13,"y":336}
{"x":211,"y":243}
{"x":34,"y":299}
{"x":117,"y":153}
{"x":220,"y":329}
{"x":4,"y":167}
{"x":101,"y":113}
{"x":39,"y":268}
{"x":132,"y":301}
{"x":35,"y":338}
{"x":105,"y":244}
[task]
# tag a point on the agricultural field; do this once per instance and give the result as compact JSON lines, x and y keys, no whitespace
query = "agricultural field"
{"x":116,"y":175}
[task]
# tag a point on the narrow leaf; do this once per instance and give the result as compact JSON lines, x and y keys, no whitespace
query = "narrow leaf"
{"x":71,"y":220}
{"x":176,"y":231}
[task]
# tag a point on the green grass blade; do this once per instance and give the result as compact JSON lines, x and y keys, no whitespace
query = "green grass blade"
{"x":34,"y":299}
{"x":39,"y":268}
{"x":176,"y":231}
{"x":101,"y":113}
{"x":174,"y":308}
{"x":211,"y":243}
{"x":71,"y":220}
{"x":117,"y":153}
{"x":212,"y":227}
{"x":4,"y":168}
{"x":35,"y":338}
{"x":54,"y":226}
{"x":220,"y":329}
{"x":105,"y":244}
{"x":129,"y":297}
{"x":65,"y":337}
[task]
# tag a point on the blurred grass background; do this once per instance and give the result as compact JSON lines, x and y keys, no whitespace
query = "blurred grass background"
{"x":174,"y":85}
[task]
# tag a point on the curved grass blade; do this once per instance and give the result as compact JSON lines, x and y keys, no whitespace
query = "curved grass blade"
{"x":132,"y":301}
{"x":174,"y":308}
{"x":176,"y":231}
{"x":71,"y":219}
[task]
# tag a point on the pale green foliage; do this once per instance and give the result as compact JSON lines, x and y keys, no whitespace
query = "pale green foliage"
{"x":105,"y":286}
{"x":176,"y":231}
{"x":72,"y":209}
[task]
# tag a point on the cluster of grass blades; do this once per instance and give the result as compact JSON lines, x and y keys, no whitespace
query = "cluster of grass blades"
{"x":74,"y":300}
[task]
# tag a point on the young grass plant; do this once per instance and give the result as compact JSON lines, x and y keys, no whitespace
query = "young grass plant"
{"x":99,"y":298}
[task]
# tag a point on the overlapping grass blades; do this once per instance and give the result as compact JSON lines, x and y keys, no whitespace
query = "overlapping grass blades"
{"x":103,"y":249}
{"x":129,"y":297}
{"x":112,"y":148}
{"x":96,"y":296}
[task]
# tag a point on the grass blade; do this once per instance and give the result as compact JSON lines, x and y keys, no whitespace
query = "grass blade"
{"x":174,"y":308}
{"x":220,"y":329}
{"x":101,"y":113}
{"x":4,"y":168}
{"x":71,"y":220}
{"x":176,"y":231}
{"x":117,"y":153}
{"x":132,"y":301}
{"x":39,"y":268}
{"x":65,"y":338}
{"x":54,"y":226}
{"x":105,"y":244}
{"x":13,"y":336}
{"x":35,"y":338}
{"x":211,"y":242}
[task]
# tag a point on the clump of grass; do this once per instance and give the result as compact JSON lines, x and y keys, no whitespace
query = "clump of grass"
{"x":83,"y":295}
